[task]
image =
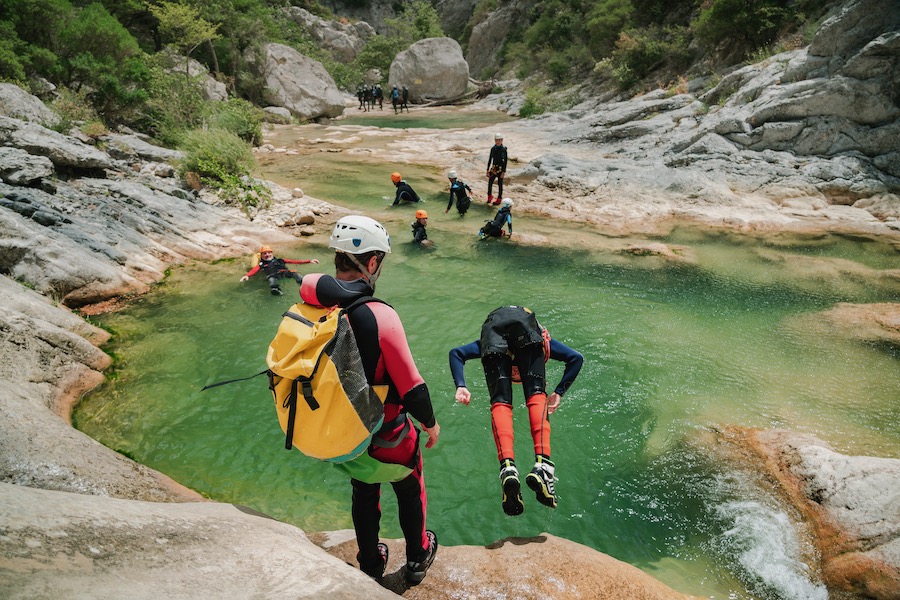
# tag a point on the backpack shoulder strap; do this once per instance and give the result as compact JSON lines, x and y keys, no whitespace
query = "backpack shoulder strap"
{"x":360,"y":301}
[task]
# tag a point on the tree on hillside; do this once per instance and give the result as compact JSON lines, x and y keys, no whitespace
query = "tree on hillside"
{"x":183,"y":26}
{"x":97,"y":54}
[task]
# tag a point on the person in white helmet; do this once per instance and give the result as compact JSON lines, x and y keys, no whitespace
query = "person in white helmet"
{"x":496,"y":169}
{"x":459,"y":191}
{"x":494,"y":227}
{"x":360,"y":245}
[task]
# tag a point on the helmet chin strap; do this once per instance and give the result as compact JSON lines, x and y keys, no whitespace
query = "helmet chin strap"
{"x":370,"y":278}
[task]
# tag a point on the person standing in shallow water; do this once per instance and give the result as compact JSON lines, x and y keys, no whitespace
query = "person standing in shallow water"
{"x":459,"y":192}
{"x":513,"y":349}
{"x":276,"y":269}
{"x":496,"y":169}
{"x":360,"y":246}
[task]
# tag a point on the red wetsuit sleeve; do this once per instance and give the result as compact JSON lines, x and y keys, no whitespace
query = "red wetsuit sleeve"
{"x":253,"y":271}
{"x":398,"y":364}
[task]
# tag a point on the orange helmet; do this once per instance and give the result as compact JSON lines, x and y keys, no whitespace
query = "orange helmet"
{"x":396,"y":177}
{"x":421,"y":214}
{"x":265,"y":248}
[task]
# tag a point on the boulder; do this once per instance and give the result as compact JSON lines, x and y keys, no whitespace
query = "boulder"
{"x":298,"y":83}
{"x":65,"y":545}
{"x":432,"y":69}
{"x":132,"y":146}
{"x":210,"y":87}
{"x":21,"y":168}
{"x":19,"y":104}
{"x":489,"y":36}
{"x":343,"y":40}
{"x":62,"y":150}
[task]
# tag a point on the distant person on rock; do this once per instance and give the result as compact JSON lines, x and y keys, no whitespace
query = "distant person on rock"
{"x":395,"y":98}
{"x":405,"y":103}
{"x":378,"y":93}
{"x":494,"y":227}
{"x":276,"y":269}
{"x":405,"y":193}
{"x":459,"y":192}
{"x":514,"y":348}
{"x":496,"y":169}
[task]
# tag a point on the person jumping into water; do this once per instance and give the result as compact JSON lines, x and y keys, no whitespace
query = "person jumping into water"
{"x":513,"y":348}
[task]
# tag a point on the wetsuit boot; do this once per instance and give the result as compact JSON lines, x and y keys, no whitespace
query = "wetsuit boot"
{"x":541,"y":480}
{"x":512,"y":489}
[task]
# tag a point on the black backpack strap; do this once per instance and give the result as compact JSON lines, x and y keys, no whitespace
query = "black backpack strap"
{"x":291,"y":404}
{"x":212,"y":385}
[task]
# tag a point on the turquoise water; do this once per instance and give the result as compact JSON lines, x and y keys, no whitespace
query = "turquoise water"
{"x":671,"y":352}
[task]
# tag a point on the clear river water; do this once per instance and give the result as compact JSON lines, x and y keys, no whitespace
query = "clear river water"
{"x":673,"y":351}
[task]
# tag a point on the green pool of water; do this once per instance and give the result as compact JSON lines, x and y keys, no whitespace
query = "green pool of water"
{"x":671,"y":351}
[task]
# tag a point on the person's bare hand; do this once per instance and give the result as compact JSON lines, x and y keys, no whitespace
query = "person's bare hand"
{"x":553,"y":402}
{"x":433,"y":434}
{"x":463,"y":396}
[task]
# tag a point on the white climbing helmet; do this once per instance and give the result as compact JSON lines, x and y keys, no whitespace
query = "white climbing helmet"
{"x":357,"y":234}
{"x":498,"y":136}
{"x":451,"y":175}
{"x":506,"y":202}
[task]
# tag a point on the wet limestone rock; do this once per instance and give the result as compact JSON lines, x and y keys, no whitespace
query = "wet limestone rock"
{"x":852,"y":503}
{"x":432,"y":69}
{"x":533,"y":568}
{"x":63,"y":545}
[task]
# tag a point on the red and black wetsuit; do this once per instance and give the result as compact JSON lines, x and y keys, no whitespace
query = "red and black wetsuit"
{"x":387,"y":359}
{"x":276,"y":269}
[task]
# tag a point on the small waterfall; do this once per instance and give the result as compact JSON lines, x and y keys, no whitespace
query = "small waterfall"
{"x":760,"y":540}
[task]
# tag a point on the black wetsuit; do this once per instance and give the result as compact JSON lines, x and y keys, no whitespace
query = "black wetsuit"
{"x":496,"y":166}
{"x":459,"y":191}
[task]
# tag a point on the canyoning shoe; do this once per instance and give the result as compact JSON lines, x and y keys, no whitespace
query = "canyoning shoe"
{"x":541,"y":481}
{"x":415,"y":571}
{"x":276,"y":291}
{"x":512,"y":489}
{"x":490,"y":199}
{"x":376,"y":572}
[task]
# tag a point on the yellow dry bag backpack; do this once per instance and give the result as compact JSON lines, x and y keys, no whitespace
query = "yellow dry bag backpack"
{"x":325,"y":405}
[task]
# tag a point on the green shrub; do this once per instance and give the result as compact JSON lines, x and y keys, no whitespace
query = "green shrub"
{"x":747,"y":25}
{"x":72,"y":107}
{"x":223,"y":162}
{"x":212,"y":153}
{"x":96,"y":52}
{"x":237,"y":116}
{"x":175,"y":104}
{"x":640,"y":51}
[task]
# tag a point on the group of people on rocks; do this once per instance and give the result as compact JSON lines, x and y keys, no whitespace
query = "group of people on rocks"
{"x":371,"y":95}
